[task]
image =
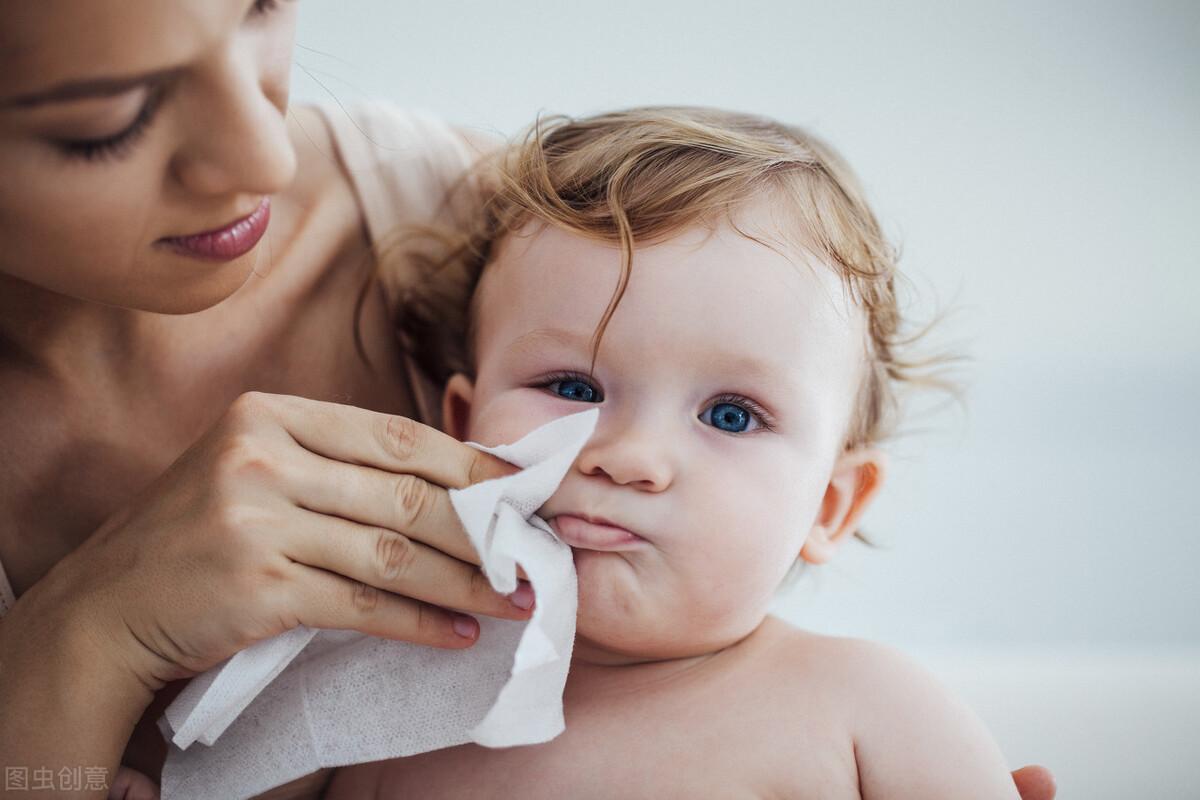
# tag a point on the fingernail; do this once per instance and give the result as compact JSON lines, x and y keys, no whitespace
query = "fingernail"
{"x":522,"y":598}
{"x":466,"y":626}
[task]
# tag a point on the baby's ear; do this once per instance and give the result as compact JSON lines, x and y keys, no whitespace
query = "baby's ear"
{"x":456,"y":406}
{"x":857,"y":476}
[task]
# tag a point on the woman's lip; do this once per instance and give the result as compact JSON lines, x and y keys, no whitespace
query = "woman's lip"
{"x":593,"y":534}
{"x":227,"y":243}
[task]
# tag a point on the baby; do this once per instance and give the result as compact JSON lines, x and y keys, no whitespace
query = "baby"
{"x":716,"y":283}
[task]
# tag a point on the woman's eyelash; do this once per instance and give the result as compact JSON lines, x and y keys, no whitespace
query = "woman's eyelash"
{"x":761,"y":414}
{"x":118,"y":145}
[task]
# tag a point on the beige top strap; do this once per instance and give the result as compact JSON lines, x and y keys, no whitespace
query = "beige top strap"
{"x":402,"y":164}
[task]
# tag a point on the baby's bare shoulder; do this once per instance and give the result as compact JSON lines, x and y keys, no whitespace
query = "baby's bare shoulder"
{"x":874,"y":713}
{"x":910,"y":735}
{"x":799,"y":660}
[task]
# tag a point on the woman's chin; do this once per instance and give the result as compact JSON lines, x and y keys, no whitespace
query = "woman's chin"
{"x":197,"y":290}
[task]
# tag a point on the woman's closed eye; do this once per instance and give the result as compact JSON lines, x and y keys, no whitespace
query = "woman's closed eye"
{"x":121,"y":143}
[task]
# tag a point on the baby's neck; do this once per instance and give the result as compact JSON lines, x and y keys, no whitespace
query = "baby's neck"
{"x":595,"y":669}
{"x":590,"y":681}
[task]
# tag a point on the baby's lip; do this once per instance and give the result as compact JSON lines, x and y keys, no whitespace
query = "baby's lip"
{"x":593,"y":533}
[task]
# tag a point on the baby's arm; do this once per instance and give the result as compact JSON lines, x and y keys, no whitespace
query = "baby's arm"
{"x":914,"y":739}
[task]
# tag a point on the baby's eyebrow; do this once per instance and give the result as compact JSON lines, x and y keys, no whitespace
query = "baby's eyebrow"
{"x":538,"y":338}
{"x":741,"y":366}
{"x":737,"y":367}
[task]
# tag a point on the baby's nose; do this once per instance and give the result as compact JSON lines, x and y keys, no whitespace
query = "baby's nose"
{"x":629,"y":458}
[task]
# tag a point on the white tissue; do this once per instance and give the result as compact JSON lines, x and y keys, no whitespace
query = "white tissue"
{"x":309,"y":699}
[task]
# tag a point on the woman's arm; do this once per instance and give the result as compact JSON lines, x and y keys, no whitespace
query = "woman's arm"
{"x":67,"y":705}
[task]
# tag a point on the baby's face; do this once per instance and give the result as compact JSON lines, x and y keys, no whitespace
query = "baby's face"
{"x":725,"y":381}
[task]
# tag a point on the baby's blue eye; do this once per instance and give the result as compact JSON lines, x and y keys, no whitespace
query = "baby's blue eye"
{"x":728,"y":417}
{"x":575,"y":389}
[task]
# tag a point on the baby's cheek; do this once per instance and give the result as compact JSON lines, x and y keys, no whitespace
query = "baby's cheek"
{"x":722,"y":593}
{"x":731,"y":573}
{"x":510,"y":415}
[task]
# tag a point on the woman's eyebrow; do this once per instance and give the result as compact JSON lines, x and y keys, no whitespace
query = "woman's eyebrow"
{"x":87,"y":88}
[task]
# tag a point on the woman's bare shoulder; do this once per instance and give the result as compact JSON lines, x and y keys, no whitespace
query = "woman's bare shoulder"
{"x":319,"y":169}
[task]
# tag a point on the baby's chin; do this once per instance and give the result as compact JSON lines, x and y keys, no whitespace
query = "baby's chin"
{"x":619,"y":623}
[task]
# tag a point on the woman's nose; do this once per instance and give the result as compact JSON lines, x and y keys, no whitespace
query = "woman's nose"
{"x":242,"y":145}
{"x":631,"y":457}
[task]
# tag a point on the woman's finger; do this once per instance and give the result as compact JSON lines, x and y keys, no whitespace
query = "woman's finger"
{"x":129,"y":784}
{"x":404,"y":503}
{"x":1035,"y":783}
{"x":325,"y":600}
{"x":384,"y":441}
{"x":399,"y":564}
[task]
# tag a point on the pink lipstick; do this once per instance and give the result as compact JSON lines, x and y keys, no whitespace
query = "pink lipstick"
{"x":225,"y":243}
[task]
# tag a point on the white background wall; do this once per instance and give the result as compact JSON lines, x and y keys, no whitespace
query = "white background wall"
{"x":1040,"y":164}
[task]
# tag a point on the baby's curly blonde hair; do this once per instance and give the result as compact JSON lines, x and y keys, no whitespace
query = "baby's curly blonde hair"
{"x":639,"y":176}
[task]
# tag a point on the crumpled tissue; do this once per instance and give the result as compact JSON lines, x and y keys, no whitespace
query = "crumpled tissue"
{"x":309,"y":699}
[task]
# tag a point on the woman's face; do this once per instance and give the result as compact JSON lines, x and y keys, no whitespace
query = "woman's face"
{"x":129,"y":126}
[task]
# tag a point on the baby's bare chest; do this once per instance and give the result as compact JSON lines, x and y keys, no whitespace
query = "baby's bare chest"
{"x":705,"y":748}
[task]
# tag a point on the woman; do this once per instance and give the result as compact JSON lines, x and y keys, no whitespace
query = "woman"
{"x":180,"y":267}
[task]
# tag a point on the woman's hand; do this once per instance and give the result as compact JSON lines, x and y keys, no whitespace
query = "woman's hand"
{"x":288,"y":512}
{"x":1034,"y":783}
{"x":129,"y":784}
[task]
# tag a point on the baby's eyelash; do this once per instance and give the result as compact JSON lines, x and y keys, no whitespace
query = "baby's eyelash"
{"x":556,"y":377}
{"x":761,"y":414}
